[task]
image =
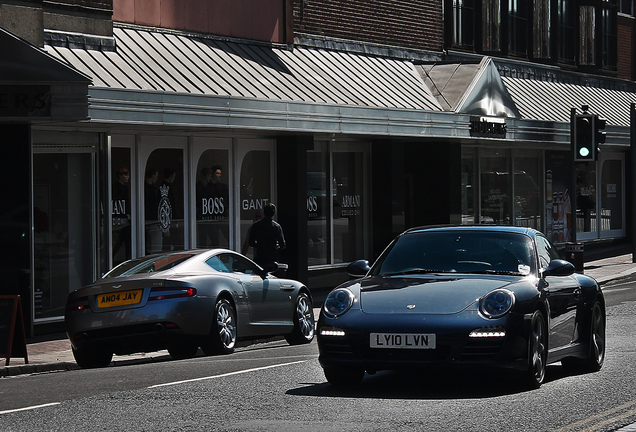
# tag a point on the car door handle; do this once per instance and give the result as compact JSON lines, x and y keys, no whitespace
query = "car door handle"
{"x":287,"y":287}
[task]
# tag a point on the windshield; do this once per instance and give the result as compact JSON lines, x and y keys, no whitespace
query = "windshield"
{"x":149,"y":264}
{"x":457,"y":252}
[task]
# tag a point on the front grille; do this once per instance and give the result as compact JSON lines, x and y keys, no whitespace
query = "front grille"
{"x":482,"y":349}
{"x":441,"y":353}
{"x":336,"y":347}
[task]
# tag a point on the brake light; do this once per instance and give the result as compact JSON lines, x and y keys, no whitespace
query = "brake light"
{"x":171,"y":293}
{"x":78,"y":304}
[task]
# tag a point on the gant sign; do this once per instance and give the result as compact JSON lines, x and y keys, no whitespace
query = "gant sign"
{"x":25,"y":101}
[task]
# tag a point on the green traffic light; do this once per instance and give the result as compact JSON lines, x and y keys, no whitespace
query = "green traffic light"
{"x":584,"y":151}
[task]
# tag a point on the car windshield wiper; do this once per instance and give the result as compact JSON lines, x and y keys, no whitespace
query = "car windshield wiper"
{"x":497,"y":272}
{"x":416,"y":271}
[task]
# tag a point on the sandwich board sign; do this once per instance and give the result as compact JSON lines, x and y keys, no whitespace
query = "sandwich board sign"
{"x":12,"y":334}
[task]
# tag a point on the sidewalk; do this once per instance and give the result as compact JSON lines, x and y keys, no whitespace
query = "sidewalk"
{"x":56,"y":355}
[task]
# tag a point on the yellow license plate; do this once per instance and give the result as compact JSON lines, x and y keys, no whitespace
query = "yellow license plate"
{"x":122,"y":298}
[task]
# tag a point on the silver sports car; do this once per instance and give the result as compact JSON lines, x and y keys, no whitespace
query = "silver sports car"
{"x":181,"y":301}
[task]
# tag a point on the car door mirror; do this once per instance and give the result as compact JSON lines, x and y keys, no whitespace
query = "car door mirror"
{"x":358,"y":268}
{"x":559,"y":267}
{"x":269,"y":268}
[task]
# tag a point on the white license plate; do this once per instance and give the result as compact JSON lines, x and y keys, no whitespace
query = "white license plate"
{"x":402,"y":340}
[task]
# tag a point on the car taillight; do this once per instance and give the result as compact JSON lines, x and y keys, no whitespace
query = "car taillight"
{"x":171,"y":293}
{"x":78,"y":304}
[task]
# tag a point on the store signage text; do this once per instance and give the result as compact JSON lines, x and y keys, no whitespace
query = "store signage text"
{"x":491,"y":127}
{"x":351,"y":205}
{"x":253,"y":204}
{"x":212,"y":207}
{"x":25,"y":101}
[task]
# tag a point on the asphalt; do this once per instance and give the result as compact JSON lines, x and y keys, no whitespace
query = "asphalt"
{"x":54,"y":353}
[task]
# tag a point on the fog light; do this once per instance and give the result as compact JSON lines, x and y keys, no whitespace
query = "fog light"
{"x":488,"y":333}
{"x":331,"y":331}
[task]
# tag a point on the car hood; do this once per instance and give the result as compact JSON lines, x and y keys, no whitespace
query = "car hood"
{"x":426,"y":294}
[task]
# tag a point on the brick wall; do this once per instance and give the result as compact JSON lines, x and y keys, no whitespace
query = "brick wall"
{"x":263,"y":20}
{"x":414,"y":24}
{"x":625,"y":50}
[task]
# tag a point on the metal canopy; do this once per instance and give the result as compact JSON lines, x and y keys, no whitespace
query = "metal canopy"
{"x":179,"y":63}
{"x":469,"y":88}
{"x":38,"y":87}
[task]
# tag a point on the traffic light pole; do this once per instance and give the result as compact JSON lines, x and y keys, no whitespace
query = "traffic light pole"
{"x":573,"y":177}
{"x":632,"y":169}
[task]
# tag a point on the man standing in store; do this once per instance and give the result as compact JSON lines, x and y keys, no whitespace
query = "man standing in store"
{"x":266,"y":237}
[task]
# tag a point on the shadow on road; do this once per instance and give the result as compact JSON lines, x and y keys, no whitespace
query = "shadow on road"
{"x":429,"y":385}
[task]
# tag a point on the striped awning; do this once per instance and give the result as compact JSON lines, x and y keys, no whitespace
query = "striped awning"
{"x":192,"y":64}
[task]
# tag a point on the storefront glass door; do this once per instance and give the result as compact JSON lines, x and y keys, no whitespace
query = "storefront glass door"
{"x":65,"y":219}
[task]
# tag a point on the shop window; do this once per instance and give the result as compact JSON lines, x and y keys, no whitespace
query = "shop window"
{"x":527,"y":202}
{"x":255,"y":181}
{"x":611,"y":195}
{"x":163,"y":201}
{"x":212,"y":200}
{"x":335,"y":204}
{"x":321,"y":196}
{"x":558,"y":206}
{"x":586,"y":198}
{"x":348,"y":206}
{"x":495,"y":188}
{"x":541,"y":47}
{"x":65,"y":239}
{"x":469,"y":188}
{"x":121,"y":205}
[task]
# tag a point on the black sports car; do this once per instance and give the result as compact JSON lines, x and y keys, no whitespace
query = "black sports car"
{"x":182,"y":301}
{"x":463,"y":296}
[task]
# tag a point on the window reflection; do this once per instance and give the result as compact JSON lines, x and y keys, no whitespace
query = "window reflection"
{"x":212,"y":200}
{"x":319,"y":200}
{"x":611,"y":195}
{"x":120,"y":205}
{"x":163,"y":201}
{"x":255,"y":181}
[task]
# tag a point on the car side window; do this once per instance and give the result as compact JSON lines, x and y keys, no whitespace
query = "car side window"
{"x":217,"y":264}
{"x":546,"y":251}
{"x":236,"y":264}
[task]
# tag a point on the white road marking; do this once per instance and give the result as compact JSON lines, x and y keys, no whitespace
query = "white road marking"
{"x":226,"y":374}
{"x":29,"y":408}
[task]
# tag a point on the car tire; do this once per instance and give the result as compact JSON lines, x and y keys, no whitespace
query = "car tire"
{"x":596,"y":354}
{"x":92,"y":358}
{"x":184,"y":350}
{"x":537,"y":350}
{"x":343,"y":376}
{"x":222,"y":339}
{"x":304,"y":325}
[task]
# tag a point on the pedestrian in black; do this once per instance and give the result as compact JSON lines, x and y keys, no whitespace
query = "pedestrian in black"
{"x":266,"y":237}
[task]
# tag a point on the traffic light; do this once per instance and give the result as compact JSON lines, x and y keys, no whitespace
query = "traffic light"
{"x":599,"y":130}
{"x":584,"y":138}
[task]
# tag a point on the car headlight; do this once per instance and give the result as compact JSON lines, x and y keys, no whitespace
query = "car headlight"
{"x":497,"y":303}
{"x":338,"y":302}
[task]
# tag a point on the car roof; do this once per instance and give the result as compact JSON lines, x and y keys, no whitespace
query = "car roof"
{"x":475,"y":228}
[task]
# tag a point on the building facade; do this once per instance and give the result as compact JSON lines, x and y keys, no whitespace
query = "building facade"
{"x":145,"y":126}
